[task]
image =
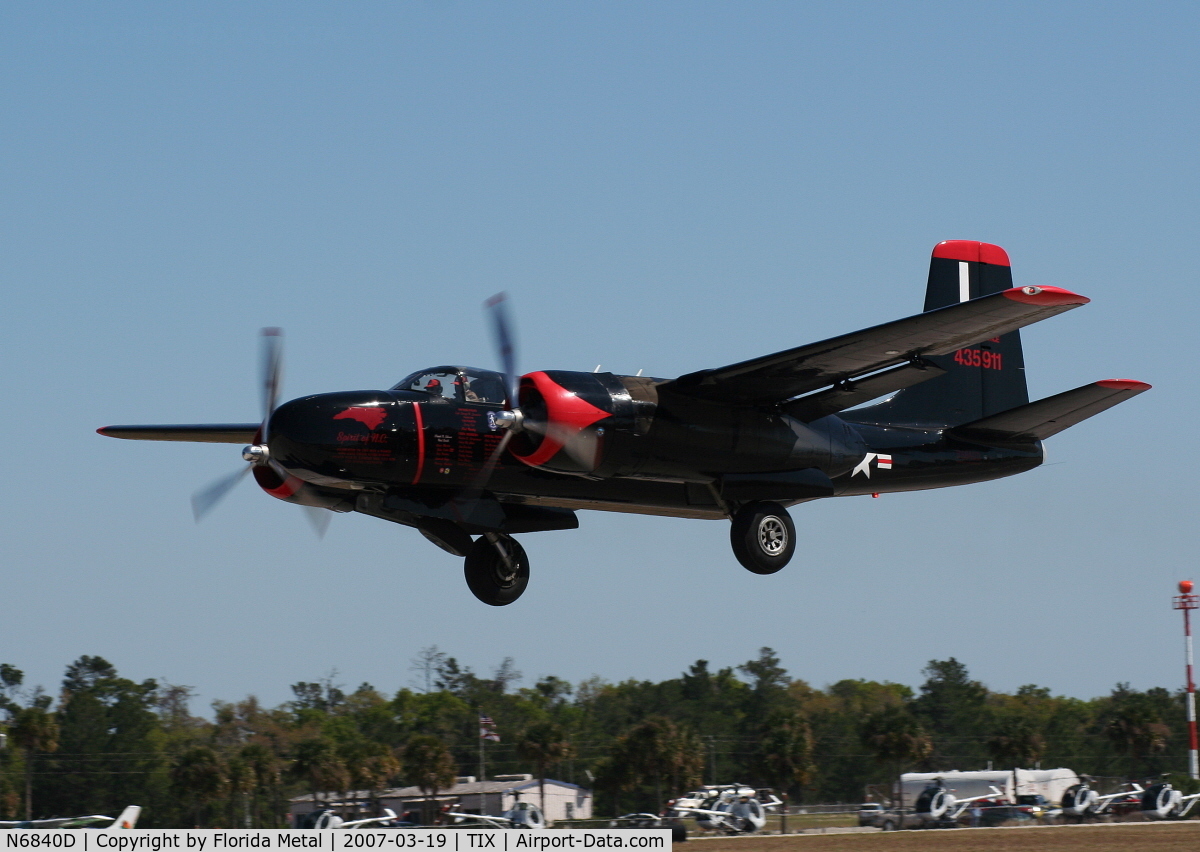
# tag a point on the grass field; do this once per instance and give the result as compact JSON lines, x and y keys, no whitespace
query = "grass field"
{"x":1143,"y":837}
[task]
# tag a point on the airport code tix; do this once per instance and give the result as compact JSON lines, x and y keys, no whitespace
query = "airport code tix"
{"x":430,"y":840}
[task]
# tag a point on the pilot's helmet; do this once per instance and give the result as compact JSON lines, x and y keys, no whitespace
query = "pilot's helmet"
{"x":433,"y":386}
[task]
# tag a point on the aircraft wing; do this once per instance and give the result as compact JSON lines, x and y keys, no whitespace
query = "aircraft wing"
{"x":788,"y":374}
{"x":205,"y":433}
{"x":1039,"y":420}
{"x":57,"y":822}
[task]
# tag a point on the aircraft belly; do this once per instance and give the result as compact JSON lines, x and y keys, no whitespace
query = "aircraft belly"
{"x":672,"y":499}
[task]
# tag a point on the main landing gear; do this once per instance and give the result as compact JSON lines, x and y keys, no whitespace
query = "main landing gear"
{"x":497,"y":569}
{"x":763,"y":537}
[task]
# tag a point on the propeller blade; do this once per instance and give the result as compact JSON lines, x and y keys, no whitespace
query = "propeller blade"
{"x":271,"y":365}
{"x":502,"y":331}
{"x":480,"y":481}
{"x":204,"y":500}
{"x":582,"y":446}
{"x":318,"y":519}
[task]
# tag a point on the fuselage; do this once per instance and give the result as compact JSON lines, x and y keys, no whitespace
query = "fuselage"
{"x":648,"y":452}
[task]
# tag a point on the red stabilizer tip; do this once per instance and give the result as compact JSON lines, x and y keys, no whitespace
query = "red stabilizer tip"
{"x":101,"y":431}
{"x":1046,"y":296}
{"x":971,"y":250}
{"x":1124,"y":384}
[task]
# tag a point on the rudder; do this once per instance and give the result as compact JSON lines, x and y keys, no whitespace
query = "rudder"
{"x":980,"y":381}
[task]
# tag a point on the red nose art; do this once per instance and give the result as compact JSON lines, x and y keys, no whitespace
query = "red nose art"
{"x":566,"y":415}
{"x":369,"y":417}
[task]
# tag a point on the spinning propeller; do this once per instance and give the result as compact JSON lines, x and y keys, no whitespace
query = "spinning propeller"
{"x":537,"y":416}
{"x":258,"y":454}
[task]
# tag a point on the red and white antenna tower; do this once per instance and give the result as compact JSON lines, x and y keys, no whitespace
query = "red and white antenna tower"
{"x":1187,"y":602}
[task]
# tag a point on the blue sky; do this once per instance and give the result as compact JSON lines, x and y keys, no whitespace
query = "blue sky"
{"x":659,"y":186}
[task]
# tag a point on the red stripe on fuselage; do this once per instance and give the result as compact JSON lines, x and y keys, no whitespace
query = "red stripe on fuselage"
{"x":420,"y":443}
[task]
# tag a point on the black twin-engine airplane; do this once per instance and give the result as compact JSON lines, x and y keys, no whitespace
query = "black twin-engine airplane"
{"x":472,"y":457}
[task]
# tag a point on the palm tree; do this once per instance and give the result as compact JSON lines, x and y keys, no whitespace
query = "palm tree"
{"x":658,"y":749}
{"x":428,"y":765}
{"x":264,"y":771}
{"x":1016,"y":743}
{"x":33,"y":730}
{"x":371,"y":765}
{"x":199,"y":776}
{"x":783,"y":757}
{"x":895,"y":737}
{"x":543,"y":744}
{"x":317,"y":763}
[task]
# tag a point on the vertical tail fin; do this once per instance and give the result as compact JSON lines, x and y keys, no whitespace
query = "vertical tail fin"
{"x":128,"y":817}
{"x":980,"y":381}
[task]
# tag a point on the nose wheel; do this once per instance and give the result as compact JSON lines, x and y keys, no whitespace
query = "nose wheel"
{"x":497,"y":569}
{"x":763,"y":537}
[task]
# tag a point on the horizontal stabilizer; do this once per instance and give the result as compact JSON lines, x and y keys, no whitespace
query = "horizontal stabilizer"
{"x":854,"y":392}
{"x":784,"y":375}
{"x":1049,"y":416}
{"x":207,"y":433}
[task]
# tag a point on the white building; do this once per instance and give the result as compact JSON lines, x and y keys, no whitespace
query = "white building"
{"x":468,"y":795}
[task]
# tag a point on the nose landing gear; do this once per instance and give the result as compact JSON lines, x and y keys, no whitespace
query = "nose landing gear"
{"x":497,"y":569}
{"x":763,"y":537}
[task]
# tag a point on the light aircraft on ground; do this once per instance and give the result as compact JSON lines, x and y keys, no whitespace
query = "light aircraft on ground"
{"x":728,"y":808}
{"x":471,"y":457}
{"x":520,"y":815}
{"x":1163,"y":801}
{"x":327,"y":818}
{"x":937,"y":805}
{"x":127,"y":819}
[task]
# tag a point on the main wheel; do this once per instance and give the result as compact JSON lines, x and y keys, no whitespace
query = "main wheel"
{"x":763,"y":537}
{"x":497,"y":579}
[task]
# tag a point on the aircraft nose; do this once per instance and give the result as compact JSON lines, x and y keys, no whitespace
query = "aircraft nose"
{"x":328,"y":433}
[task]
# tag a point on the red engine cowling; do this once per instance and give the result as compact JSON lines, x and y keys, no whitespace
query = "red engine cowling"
{"x":570,"y":418}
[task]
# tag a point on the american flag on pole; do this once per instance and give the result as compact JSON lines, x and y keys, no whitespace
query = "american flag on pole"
{"x":487,"y":729}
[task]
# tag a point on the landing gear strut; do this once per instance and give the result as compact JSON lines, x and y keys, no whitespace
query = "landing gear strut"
{"x":763,"y":537}
{"x":497,"y":569}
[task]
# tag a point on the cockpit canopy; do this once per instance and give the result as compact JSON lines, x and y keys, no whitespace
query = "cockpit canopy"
{"x":456,"y":384}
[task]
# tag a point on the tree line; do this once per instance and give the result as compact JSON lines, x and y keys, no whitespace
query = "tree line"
{"x":105,"y":741}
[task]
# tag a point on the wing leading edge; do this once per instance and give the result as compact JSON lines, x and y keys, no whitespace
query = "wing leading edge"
{"x":788,"y":374}
{"x":207,"y":433}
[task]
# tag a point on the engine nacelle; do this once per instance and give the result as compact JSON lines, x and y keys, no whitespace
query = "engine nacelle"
{"x":570,"y":420}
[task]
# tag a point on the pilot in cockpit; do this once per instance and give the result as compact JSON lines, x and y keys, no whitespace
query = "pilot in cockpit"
{"x":434,"y":388}
{"x":464,"y":382}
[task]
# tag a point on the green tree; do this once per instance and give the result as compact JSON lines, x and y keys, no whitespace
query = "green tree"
{"x":895,"y":738}
{"x":658,"y":750}
{"x":543,"y":744}
{"x":199,"y":778}
{"x":35,"y":731}
{"x":783,"y":754}
{"x":954,"y":710}
{"x":428,"y":765}
{"x":1135,"y":725}
{"x":319,"y":766}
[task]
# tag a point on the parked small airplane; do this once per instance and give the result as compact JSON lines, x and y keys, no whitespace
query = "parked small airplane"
{"x":127,"y":819}
{"x":1163,"y":801}
{"x":1081,"y":800}
{"x":520,"y":815}
{"x":937,"y":805}
{"x":729,"y":808}
{"x":471,"y":457}
{"x":326,"y":818}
